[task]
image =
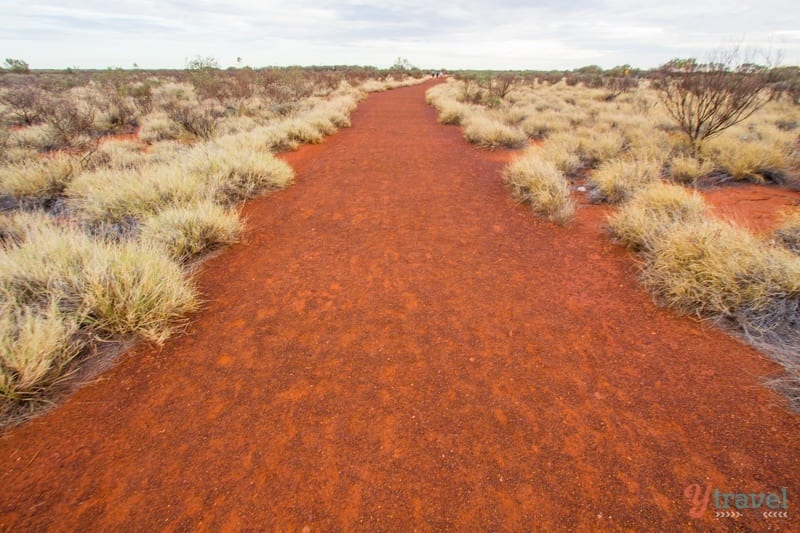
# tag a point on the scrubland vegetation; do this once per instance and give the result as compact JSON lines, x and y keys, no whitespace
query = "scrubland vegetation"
{"x":113,"y":183}
{"x":648,"y":142}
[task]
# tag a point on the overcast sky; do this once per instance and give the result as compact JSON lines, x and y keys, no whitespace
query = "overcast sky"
{"x":546,"y":34}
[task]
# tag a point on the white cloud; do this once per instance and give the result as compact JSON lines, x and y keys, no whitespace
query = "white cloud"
{"x":468,"y":34}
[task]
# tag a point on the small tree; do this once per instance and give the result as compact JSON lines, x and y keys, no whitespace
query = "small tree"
{"x":618,"y":80}
{"x":204,"y":75}
{"x":471,"y":89}
{"x":16,"y":65}
{"x":402,"y":64}
{"x":705,"y":99}
{"x":503,"y":83}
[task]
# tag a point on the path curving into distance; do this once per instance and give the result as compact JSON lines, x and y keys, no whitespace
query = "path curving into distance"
{"x":398,"y":345}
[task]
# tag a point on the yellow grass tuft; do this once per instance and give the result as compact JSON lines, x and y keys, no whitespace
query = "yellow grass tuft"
{"x":715,"y":269}
{"x":187,"y":231}
{"x":653,"y":211}
{"x":118,"y":155}
{"x":753,"y":158}
{"x":596,"y":147}
{"x":234,"y":174}
{"x":537,"y":181}
{"x":616,"y":180}
{"x":686,"y":168}
{"x":40,"y":179}
{"x":157,"y":127}
{"x":126,"y":196}
{"x":111,"y":288}
{"x":134,"y":288}
{"x":36,"y":346}
{"x":711,"y":268}
{"x":490,"y":133}
{"x":788,"y":232}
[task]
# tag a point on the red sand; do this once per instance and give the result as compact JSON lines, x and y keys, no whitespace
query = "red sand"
{"x":753,"y":206}
{"x":398,"y":346}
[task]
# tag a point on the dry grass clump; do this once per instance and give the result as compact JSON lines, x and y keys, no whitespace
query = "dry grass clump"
{"x":15,"y":155}
{"x":597,"y":146}
{"x":300,"y":131}
{"x":754,"y":158}
{"x":59,"y":289}
{"x":491,"y":133}
{"x":542,"y":124}
{"x":233,"y":174}
{"x":36,"y":346}
{"x":616,"y":180}
{"x":653,"y":211}
{"x":109,"y":196}
{"x":713,"y":269}
{"x":236,"y":124}
{"x":33,"y":137}
{"x":188,"y":231}
{"x":562,"y":150}
{"x":157,"y":127}
{"x":444,"y":98}
{"x":788,"y":233}
{"x":15,"y":226}
{"x":112,"y":288}
{"x":134,"y":288}
{"x":453,"y":112}
{"x":687,"y":169}
{"x":540,"y":183}
{"x":39,"y":180}
{"x":118,"y":155}
{"x":225,"y":175}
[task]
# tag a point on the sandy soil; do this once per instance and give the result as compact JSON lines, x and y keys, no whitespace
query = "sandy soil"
{"x":756,"y":207}
{"x":398,"y":346}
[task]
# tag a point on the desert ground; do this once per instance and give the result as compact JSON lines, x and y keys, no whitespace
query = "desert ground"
{"x":396,"y":343}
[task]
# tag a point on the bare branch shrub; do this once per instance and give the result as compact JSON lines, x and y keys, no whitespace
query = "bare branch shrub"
{"x":503,"y":84}
{"x":471,"y":90}
{"x":198,"y":121}
{"x":25,"y":104}
{"x":68,"y":122}
{"x":705,"y":99}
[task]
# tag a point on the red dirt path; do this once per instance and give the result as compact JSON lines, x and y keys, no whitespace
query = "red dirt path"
{"x":398,"y":346}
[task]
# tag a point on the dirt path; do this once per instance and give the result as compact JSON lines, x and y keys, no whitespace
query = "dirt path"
{"x":396,"y":346}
